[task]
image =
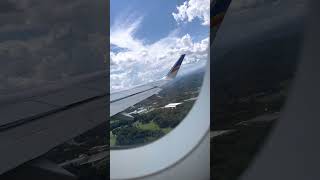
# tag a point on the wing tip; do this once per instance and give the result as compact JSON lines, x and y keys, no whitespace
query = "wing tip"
{"x":175,"y":68}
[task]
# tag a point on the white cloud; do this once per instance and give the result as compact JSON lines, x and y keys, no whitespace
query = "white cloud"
{"x":192,"y":9}
{"x":122,"y":33}
{"x":140,"y":62}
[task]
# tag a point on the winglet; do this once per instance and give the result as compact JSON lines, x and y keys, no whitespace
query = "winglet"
{"x":174,"y":70}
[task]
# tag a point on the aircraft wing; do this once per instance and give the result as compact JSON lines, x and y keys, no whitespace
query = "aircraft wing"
{"x":33,"y":122}
{"x":121,"y":100}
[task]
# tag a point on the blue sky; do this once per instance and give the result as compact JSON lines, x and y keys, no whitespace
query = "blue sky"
{"x":148,"y":36}
{"x":157,"y":18}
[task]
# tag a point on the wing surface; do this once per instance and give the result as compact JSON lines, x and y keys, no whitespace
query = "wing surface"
{"x":121,"y":100}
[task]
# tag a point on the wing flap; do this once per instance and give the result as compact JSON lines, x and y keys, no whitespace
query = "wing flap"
{"x":121,"y":104}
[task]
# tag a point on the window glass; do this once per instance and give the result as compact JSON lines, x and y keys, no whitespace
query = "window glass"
{"x":147,"y":38}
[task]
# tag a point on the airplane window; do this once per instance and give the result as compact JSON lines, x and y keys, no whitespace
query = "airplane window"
{"x":255,"y":57}
{"x":42,"y":42}
{"x":157,"y":58}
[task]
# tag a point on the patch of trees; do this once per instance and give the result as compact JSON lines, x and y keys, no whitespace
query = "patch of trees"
{"x":167,"y":118}
{"x":116,"y":124}
{"x":132,"y":135}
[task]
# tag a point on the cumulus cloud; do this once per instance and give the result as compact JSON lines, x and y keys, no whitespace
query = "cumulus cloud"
{"x":193,"y":9}
{"x":138,"y":62}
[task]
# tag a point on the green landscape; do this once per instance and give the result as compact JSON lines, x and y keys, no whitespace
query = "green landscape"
{"x":155,"y":121}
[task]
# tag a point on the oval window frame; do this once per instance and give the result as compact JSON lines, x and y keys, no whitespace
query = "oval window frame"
{"x":145,"y":160}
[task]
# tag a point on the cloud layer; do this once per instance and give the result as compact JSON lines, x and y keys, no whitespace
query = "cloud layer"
{"x":135,"y":62}
{"x":193,"y":9}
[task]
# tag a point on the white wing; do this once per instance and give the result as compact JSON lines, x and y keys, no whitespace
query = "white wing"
{"x":33,"y":122}
{"x":120,"y":101}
